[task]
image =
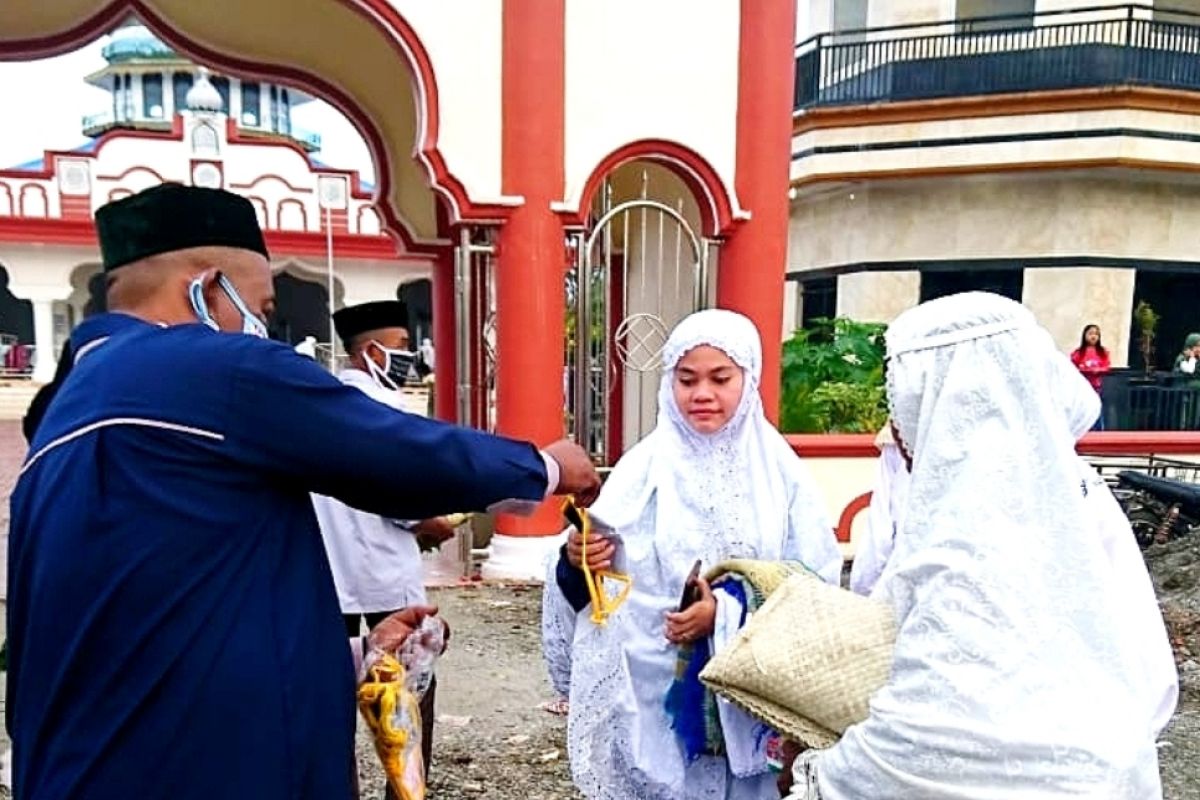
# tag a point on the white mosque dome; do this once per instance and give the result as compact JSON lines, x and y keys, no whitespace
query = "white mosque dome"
{"x":203,"y":96}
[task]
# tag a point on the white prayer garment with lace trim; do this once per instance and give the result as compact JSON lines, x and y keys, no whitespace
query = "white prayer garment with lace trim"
{"x":1021,"y":663}
{"x":676,"y":497}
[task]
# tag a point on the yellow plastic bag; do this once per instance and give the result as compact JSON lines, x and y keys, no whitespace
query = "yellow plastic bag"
{"x":393,"y":714}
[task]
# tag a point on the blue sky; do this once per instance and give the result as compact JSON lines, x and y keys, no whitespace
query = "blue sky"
{"x":41,"y":125}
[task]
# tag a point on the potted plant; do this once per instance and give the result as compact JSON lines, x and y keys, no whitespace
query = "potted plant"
{"x":1146,"y":320}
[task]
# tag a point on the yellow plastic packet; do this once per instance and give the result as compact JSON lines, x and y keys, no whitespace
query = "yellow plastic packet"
{"x":603,"y":604}
{"x":393,"y":714}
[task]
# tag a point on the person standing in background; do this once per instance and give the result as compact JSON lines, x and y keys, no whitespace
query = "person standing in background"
{"x":1091,"y":358}
{"x":376,"y":559}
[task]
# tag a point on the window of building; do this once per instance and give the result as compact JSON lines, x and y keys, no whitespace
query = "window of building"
{"x":152,"y":96}
{"x":273,"y":110}
{"x":285,"y":112}
{"x":118,"y":97}
{"x":181,"y":82}
{"x":222,"y":87}
{"x":818,"y":300}
{"x":1016,"y":13}
{"x":128,"y":108}
{"x":251,"y":104}
{"x":1007,"y":282}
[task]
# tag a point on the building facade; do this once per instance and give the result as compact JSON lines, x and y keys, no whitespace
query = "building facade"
{"x":1044,"y":149}
{"x":173,"y":121}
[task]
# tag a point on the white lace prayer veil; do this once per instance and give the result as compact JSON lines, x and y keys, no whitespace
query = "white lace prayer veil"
{"x":719,"y":494}
{"x":1010,"y":680}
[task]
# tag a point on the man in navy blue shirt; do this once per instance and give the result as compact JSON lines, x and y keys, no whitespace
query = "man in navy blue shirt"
{"x":174,"y":630}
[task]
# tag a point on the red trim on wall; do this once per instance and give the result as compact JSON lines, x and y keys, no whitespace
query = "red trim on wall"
{"x":846,"y":520}
{"x":413,"y":58}
{"x":75,"y":207}
{"x":77,"y":232}
{"x":1107,"y":443}
{"x":709,"y":191}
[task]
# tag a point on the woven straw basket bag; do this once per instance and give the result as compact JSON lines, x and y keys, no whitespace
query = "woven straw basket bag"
{"x":808,"y":661}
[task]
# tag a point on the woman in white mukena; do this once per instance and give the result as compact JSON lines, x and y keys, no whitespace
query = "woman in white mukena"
{"x":713,"y":481}
{"x":1031,"y":660}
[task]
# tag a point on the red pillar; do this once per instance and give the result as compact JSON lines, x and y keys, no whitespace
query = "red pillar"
{"x":445,"y":339}
{"x":753,"y":263}
{"x":530,"y":324}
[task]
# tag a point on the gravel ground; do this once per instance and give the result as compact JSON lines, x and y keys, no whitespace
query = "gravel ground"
{"x":492,"y":739}
{"x":1175,"y":570}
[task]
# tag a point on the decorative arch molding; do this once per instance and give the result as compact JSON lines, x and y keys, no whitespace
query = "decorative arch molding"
{"x":38,"y":194}
{"x":312,"y":273}
{"x":719,"y":213}
{"x":136,"y":169}
{"x":212,"y":32}
{"x":291,"y":210}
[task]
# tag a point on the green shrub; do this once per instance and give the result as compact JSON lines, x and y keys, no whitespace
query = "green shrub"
{"x":833,"y":378}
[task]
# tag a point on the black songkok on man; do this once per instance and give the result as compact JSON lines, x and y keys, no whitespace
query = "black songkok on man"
{"x":173,"y":217}
{"x":353,"y":321}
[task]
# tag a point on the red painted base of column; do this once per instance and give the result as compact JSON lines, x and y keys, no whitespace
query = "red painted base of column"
{"x":445,"y":340}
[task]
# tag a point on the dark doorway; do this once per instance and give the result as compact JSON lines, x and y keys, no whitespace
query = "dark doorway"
{"x":1173,"y":296}
{"x":417,"y":297}
{"x":818,"y":300}
{"x":939,"y":283}
{"x":16,"y":315}
{"x":301,"y":309}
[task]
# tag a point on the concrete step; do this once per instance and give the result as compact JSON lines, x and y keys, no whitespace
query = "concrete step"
{"x":15,"y":397}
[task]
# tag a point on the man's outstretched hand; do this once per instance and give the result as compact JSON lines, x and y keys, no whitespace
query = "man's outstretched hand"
{"x":577,"y":473}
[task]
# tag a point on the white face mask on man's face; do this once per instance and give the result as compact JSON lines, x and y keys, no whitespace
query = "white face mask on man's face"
{"x":395,"y":369}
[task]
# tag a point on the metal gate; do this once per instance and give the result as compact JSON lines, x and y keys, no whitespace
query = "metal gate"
{"x":636,"y":273}
{"x":475,"y":315}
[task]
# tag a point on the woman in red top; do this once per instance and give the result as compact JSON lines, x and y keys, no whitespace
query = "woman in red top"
{"x":1091,"y":358}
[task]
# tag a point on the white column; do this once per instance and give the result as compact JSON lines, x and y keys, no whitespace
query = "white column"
{"x":43,"y":338}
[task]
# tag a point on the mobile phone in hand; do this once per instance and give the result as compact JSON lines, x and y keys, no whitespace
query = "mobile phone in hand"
{"x":691,"y":589}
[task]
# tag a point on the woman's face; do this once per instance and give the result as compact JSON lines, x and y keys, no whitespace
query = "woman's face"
{"x":707,"y":388}
{"x":1092,"y":336}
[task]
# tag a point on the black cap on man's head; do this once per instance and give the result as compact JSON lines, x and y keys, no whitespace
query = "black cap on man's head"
{"x":172,"y":217}
{"x":352,"y":321}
